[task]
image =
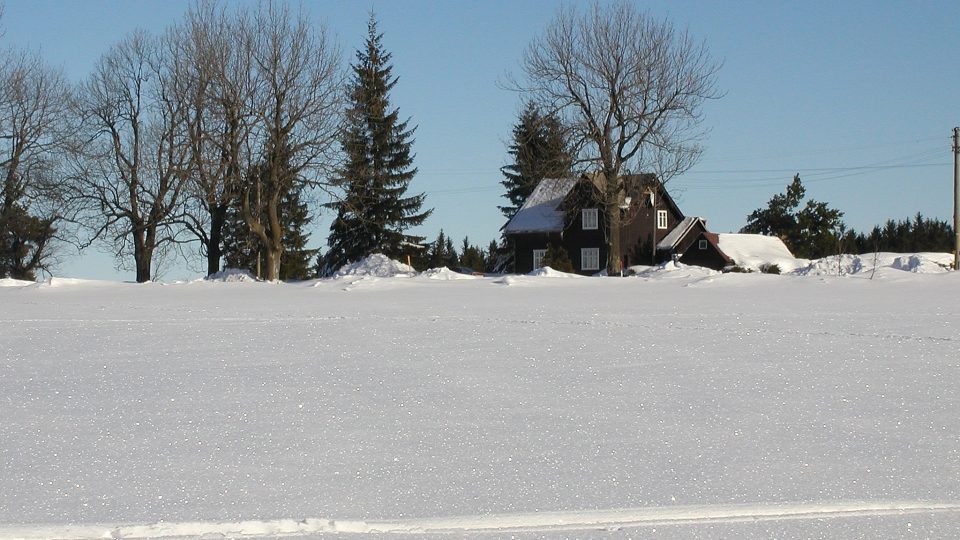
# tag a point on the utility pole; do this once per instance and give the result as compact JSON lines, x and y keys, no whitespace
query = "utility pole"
{"x":956,"y":198}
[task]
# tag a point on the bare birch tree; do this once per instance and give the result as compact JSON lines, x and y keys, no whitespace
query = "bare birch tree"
{"x":299,"y":101}
{"x":130,"y":165}
{"x":630,"y":87}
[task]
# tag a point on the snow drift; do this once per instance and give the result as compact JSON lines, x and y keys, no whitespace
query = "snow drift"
{"x":376,"y":265}
{"x":232,"y":275}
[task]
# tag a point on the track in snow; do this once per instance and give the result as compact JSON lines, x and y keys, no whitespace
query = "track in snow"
{"x":527,"y":522}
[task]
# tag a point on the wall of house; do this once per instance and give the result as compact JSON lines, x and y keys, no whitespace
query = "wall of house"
{"x":640,"y":234}
{"x":523,"y":246}
{"x":575,"y":238}
{"x":710,"y":257}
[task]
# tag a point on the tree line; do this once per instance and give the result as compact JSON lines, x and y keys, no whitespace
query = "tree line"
{"x":213,"y":137}
{"x":214,"y":133}
{"x":813,"y":230}
{"x":219,"y":137}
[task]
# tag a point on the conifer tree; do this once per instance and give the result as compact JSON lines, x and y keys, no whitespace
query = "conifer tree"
{"x":539,"y":150}
{"x":375,"y":211}
{"x":810,"y":232}
{"x":471,"y":256}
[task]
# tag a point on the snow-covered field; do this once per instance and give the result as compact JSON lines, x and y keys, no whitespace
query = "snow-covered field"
{"x":679,"y":403}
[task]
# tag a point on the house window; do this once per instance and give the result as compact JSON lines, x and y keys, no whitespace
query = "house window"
{"x":661,"y":219}
{"x":590,"y":258}
{"x":538,"y":255}
{"x":589,"y":218}
{"x":702,"y":244}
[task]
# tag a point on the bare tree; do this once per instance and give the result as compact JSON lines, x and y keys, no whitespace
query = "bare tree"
{"x":216,"y":80}
{"x":630,"y":87}
{"x":129,"y":167}
{"x":34,"y":102}
{"x":299,"y":100}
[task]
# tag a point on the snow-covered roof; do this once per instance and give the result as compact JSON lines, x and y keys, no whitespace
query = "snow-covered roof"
{"x":671,"y":240}
{"x":755,"y":250}
{"x":540,"y":212}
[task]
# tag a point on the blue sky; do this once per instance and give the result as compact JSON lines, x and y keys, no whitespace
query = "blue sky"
{"x":858,"y":97}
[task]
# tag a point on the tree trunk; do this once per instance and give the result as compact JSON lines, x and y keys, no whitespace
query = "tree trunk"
{"x":142,"y":257}
{"x":218,"y":216}
{"x":272,"y":260}
{"x":612,"y":200}
{"x":614,"y":261}
{"x":142,"y":253}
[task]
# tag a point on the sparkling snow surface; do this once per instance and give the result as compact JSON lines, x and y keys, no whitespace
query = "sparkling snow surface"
{"x":679,"y":403}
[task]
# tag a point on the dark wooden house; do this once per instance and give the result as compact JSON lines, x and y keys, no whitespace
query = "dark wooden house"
{"x":567,"y":213}
{"x":704,"y":250}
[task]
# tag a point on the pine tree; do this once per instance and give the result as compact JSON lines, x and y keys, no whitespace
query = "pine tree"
{"x":23,"y":241}
{"x":492,"y":254}
{"x":540,"y":150}
{"x":295,"y":263}
{"x":374,"y":212}
{"x":471,"y":256}
{"x":452,"y":260}
{"x":438,"y":251}
{"x":442,"y":252}
{"x":810,"y":232}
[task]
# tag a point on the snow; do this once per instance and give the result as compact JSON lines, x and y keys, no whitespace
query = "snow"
{"x":681,"y":403}
{"x":376,"y":265}
{"x":444,"y":274}
{"x":878,"y":264}
{"x":755,"y":251}
{"x":10,"y":282}
{"x":540,"y":211}
{"x":547,"y":272}
{"x":232,"y":275}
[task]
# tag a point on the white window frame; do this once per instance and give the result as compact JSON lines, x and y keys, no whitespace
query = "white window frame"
{"x":589,"y":219}
{"x":702,"y":244}
{"x":661,"y":219}
{"x":591,"y":255}
{"x":538,"y":256}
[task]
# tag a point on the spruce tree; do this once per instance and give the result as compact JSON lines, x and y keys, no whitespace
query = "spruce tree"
{"x":23,"y":241}
{"x":539,"y":150}
{"x":375,"y":211}
{"x":471,"y":256}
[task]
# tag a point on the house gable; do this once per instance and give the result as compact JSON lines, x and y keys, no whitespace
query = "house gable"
{"x":705,"y":250}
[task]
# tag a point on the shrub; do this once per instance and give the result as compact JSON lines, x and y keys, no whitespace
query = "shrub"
{"x":770,"y":269}
{"x":557,"y":258}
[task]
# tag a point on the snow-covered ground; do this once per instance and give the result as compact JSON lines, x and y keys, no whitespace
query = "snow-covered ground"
{"x":679,"y":403}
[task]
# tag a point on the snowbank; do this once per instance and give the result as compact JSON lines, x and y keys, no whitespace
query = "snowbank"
{"x":376,"y":265}
{"x":10,"y":282}
{"x":548,"y":272}
{"x":671,"y":269}
{"x":232,"y":275}
{"x":755,"y":251}
{"x":870,"y":263}
{"x":445,"y":274}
